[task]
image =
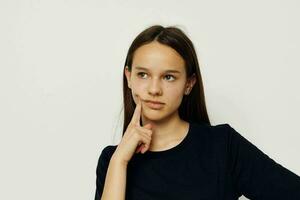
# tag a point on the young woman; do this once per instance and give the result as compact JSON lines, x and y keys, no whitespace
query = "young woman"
{"x":169,"y":149}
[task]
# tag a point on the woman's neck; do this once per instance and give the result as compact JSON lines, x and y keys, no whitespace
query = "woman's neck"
{"x":167,"y":133}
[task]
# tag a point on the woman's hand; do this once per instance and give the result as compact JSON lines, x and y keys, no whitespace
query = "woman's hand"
{"x":135,"y":139}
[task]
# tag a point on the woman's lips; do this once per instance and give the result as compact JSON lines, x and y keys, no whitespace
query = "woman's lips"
{"x":154,"y":101}
{"x":154,"y":105}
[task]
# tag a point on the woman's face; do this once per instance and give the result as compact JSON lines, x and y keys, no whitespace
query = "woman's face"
{"x":158,"y":74}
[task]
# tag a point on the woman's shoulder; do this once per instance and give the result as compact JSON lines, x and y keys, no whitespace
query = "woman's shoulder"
{"x":107,"y":152}
{"x":221,"y":133}
{"x":109,"y":149}
{"x":219,"y":129}
{"x":224,"y":135}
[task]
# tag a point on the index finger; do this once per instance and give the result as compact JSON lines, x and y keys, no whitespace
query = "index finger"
{"x":137,"y":113}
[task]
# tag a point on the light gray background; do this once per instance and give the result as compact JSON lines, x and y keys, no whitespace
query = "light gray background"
{"x":61,"y":68}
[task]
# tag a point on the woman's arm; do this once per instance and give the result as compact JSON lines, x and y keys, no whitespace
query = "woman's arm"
{"x":115,"y":181}
{"x":112,"y":184}
{"x":111,"y":175}
{"x":257,"y":176}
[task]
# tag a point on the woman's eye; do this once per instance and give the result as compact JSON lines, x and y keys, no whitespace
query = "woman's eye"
{"x":140,"y":74}
{"x":170,"y":76}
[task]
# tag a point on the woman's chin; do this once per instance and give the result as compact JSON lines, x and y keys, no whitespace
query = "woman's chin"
{"x":153,"y":115}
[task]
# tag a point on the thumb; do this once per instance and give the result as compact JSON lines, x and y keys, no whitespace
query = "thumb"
{"x":148,"y":126}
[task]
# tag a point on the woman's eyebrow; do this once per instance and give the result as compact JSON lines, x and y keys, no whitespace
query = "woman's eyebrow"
{"x":168,"y":71}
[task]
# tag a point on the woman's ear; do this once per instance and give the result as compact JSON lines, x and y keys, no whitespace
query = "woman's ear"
{"x":128,"y":75}
{"x":190,"y":83}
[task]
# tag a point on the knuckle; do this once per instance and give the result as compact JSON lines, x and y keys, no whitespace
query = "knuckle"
{"x":146,"y":136}
{"x":136,"y":135}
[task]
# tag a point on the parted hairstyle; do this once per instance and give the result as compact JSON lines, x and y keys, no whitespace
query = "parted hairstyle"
{"x":192,"y":107}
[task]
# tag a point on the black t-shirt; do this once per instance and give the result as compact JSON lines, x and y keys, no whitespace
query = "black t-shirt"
{"x":211,"y":162}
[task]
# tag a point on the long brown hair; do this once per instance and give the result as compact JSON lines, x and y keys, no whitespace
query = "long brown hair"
{"x":192,"y":107}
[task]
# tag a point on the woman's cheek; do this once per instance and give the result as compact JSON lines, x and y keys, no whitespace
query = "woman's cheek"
{"x":136,"y":94}
{"x":137,"y":91}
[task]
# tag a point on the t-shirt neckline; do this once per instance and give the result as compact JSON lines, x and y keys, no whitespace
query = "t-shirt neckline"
{"x":172,"y":150}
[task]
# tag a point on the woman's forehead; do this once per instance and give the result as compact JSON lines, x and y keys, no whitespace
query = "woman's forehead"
{"x":168,"y":69}
{"x":156,"y":56}
{"x":156,"y":50}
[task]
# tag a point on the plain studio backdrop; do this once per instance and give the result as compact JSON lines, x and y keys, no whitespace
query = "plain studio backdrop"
{"x":61,"y":65}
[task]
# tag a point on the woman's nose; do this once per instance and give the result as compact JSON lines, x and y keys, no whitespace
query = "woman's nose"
{"x":154,"y":87}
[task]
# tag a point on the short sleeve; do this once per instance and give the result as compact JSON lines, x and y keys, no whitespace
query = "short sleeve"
{"x":101,"y":170}
{"x":256,"y":175}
